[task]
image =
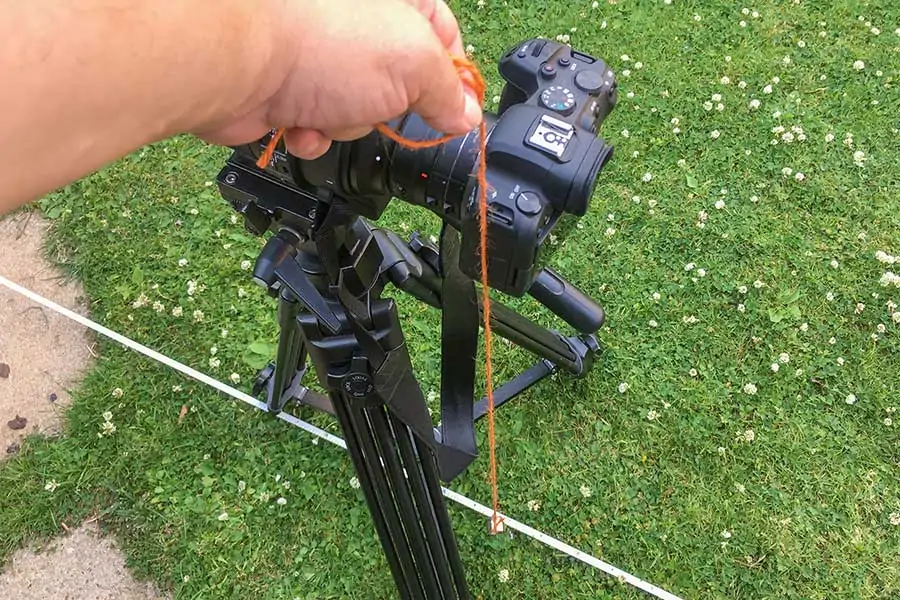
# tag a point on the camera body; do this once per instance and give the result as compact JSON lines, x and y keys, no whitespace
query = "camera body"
{"x":543,"y":157}
{"x":543,"y":160}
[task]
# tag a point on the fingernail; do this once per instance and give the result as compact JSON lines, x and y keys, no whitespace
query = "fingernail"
{"x":473,"y":114}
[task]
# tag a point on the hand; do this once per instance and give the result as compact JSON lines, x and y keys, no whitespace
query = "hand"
{"x":342,"y":66}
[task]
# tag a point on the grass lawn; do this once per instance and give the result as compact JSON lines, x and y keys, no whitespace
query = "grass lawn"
{"x":752,"y":452}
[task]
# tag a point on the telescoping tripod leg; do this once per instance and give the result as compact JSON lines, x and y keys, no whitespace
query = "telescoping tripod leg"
{"x":394,"y":464}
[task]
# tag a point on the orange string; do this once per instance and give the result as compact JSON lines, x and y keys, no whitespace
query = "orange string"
{"x":472,"y":78}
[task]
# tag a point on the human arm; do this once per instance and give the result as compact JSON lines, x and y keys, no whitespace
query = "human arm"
{"x":87,"y":81}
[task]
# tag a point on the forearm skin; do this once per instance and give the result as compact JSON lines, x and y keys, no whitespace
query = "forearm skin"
{"x":84,"y":82}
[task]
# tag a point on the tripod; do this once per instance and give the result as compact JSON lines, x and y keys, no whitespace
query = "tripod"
{"x":331,"y":313}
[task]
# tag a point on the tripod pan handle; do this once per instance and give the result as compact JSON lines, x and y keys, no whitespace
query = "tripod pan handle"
{"x":567,"y":302}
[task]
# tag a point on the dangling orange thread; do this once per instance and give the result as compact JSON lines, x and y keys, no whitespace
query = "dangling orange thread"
{"x":266,"y":157}
{"x":471,"y":77}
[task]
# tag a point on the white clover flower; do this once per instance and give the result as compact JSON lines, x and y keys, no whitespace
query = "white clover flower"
{"x":689,"y":267}
{"x":623,"y":387}
{"x":117,"y":393}
{"x":470,"y":49}
{"x":176,"y":388}
{"x":354,"y":482}
{"x":758,"y":284}
{"x":585,"y":491}
{"x":720,"y":107}
{"x":534,"y":505}
{"x":784,"y":358}
{"x":626,"y":133}
{"x":714,"y":134}
{"x":742,"y":289}
{"x":725,"y":80}
{"x":707,"y":105}
{"x":750,"y":389}
{"x":214,"y":363}
{"x":754,"y":199}
{"x":182,"y":262}
{"x":697,"y":18}
{"x":235,"y":378}
{"x":107,"y":428}
{"x":245,"y":265}
{"x":610,"y":231}
{"x":654,"y":324}
{"x":888,"y":421}
{"x":742,"y":84}
{"x":647,"y":177}
{"x":741,"y":308}
{"x":652,"y":415}
{"x":198,"y":315}
{"x":775,"y":367}
{"x":840,"y":361}
{"x":749,"y":435}
{"x":693,"y":372}
{"x":638,"y":65}
{"x":177,"y":311}
{"x":726,"y":534}
{"x":656,"y":296}
{"x":767,"y":89}
{"x":850,"y":399}
{"x":701,"y":272}
{"x":720,"y":204}
{"x":860,"y":307}
{"x":745,"y":11}
{"x":880,"y":328}
{"x":859,"y":65}
{"x":895,"y":317}
{"x":799,"y":176}
{"x":51,"y":486}
{"x":503,"y":575}
{"x":281,"y":501}
{"x":223,"y":516}
{"x":107,"y":416}
{"x":787,"y":172}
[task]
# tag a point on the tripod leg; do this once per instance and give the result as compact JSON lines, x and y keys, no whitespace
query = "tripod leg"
{"x":432,"y":509}
{"x":291,"y":355}
{"x":427,"y":550}
{"x":373,"y":482}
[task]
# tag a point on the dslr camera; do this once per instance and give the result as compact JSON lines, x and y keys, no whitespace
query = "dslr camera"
{"x":543,"y":161}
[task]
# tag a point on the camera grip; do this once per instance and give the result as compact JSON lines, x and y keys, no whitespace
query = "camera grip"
{"x":567,"y":302}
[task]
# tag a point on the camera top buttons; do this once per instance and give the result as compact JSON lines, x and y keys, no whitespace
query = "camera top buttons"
{"x":548,"y":71}
{"x":590,"y":81}
{"x":564,"y":62}
{"x":559,"y":99}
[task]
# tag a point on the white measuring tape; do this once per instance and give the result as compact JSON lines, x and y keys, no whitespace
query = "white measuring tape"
{"x":321,"y":433}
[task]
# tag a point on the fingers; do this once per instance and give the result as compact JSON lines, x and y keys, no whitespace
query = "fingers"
{"x":438,"y":95}
{"x":307,"y":144}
